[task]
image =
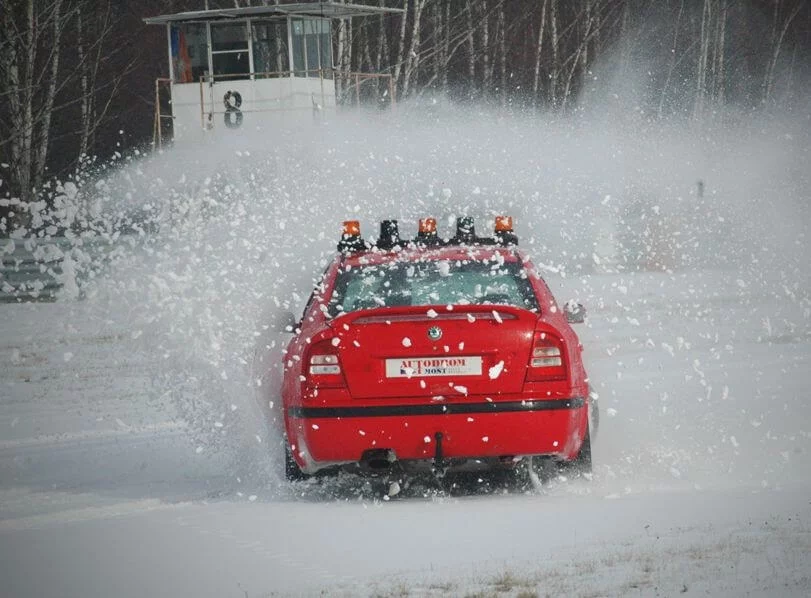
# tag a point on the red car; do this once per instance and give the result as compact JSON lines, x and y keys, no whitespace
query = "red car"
{"x":437,"y":353}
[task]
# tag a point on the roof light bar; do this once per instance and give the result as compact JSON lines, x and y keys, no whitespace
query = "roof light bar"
{"x":351,"y":240}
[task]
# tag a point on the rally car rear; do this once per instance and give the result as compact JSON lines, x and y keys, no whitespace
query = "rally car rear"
{"x":430,"y":353}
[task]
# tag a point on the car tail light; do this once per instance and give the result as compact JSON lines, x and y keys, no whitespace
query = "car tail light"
{"x":321,"y":365}
{"x":324,"y":366}
{"x":546,"y":362}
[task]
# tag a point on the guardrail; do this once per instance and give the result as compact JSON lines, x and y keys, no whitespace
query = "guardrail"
{"x":35,"y":269}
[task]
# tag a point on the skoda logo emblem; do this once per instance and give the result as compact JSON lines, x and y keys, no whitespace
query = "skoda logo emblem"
{"x":435,"y":333}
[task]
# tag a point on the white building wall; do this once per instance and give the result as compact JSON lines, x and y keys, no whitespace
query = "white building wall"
{"x":199,"y":109}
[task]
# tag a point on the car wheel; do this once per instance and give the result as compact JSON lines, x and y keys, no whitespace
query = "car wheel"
{"x":291,"y":469}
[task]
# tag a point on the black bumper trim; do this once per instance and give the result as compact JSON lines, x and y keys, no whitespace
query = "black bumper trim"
{"x":436,"y":409}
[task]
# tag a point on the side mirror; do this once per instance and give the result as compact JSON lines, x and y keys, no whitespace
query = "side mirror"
{"x":575,"y":312}
{"x":286,"y":322}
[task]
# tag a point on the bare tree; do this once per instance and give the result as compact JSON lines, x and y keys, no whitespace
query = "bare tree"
{"x":29,"y":67}
{"x":412,"y":59}
{"x":538,"y":53}
{"x":554,"y":73}
{"x":781,"y":22}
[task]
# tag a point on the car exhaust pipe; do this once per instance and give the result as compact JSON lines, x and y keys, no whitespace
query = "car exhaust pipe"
{"x":378,"y":459}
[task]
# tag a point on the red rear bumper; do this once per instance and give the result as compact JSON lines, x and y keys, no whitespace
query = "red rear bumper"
{"x":323,"y":436}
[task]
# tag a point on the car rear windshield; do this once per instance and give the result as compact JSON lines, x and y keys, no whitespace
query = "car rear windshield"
{"x":433,"y":282}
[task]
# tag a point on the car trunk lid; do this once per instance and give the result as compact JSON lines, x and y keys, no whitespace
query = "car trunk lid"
{"x":435,"y":352}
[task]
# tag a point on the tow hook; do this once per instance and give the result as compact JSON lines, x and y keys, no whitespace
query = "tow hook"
{"x":439,"y":461}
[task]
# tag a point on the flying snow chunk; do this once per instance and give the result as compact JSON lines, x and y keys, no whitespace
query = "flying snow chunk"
{"x":446,"y":193}
{"x":406,"y":341}
{"x":427,"y":440}
{"x":431,"y":313}
{"x":496,"y":370}
{"x":67,"y":356}
{"x":497,"y":317}
{"x":611,"y":412}
{"x":461,"y":389}
{"x":485,"y":439}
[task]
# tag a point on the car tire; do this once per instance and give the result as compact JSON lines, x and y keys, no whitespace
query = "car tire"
{"x":292,"y":472}
{"x":581,"y":465}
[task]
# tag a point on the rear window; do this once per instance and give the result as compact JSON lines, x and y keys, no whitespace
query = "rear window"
{"x":435,"y":282}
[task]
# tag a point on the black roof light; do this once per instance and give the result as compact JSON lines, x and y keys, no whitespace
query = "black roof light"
{"x":465,"y":230}
{"x":389,"y":235}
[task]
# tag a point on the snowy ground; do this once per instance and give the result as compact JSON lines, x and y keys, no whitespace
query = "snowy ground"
{"x":132,"y":461}
{"x":702,"y":478}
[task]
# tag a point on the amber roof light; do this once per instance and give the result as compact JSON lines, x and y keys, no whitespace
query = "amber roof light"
{"x":504,"y":224}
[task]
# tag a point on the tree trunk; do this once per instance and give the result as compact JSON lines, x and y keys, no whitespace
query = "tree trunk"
{"x":538,"y":53}
{"x":398,"y":62}
{"x":83,"y":83}
{"x":555,"y":71}
{"x":340,"y":79}
{"x":471,"y":45}
{"x":778,"y":34}
{"x":672,"y":64}
{"x":584,"y":55}
{"x":502,"y":55}
{"x":446,"y":42}
{"x":487,"y":74}
{"x":720,"y":42}
{"x":701,"y":71}
{"x":413,"y":58}
{"x":50,"y":94}
{"x":27,"y":116}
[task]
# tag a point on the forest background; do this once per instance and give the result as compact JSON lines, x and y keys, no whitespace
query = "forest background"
{"x":77,"y":77}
